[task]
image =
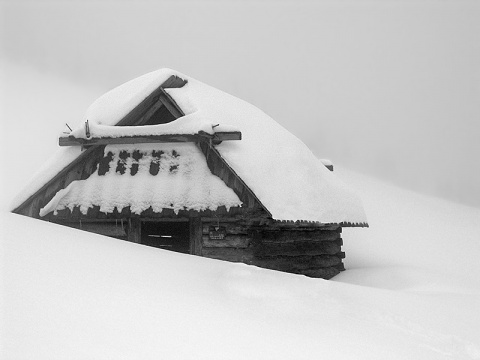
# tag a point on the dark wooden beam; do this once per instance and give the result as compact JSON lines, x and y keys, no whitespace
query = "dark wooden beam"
{"x":148,"y":114}
{"x":137,"y":113}
{"x":134,"y":230}
{"x":195,"y":235}
{"x":74,"y":171}
{"x":219,"y":167}
{"x":146,"y":139}
{"x":227,"y":135}
{"x":73,"y":141}
{"x":174,"y":82}
{"x":170,"y":104}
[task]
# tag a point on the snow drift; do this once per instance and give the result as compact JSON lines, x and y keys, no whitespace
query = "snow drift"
{"x":77,"y":295}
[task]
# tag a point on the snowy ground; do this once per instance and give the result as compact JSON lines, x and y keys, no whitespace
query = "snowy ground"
{"x":411,"y":289}
{"x":410,"y":292}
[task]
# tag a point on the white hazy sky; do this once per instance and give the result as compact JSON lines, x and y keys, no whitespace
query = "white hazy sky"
{"x":389,"y":88}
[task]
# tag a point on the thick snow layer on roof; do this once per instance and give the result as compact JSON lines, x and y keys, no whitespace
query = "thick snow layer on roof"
{"x":283,"y":173}
{"x":108,"y":109}
{"x":111,"y":107}
{"x":182,"y":182}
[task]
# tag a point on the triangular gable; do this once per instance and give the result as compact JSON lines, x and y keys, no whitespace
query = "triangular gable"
{"x":152,"y":104}
{"x":157,"y":108}
{"x":84,"y":165}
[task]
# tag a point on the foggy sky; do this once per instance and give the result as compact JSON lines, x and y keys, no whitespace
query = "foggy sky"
{"x":388,"y":88}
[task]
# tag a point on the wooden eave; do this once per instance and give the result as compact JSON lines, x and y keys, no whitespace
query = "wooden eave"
{"x":230,"y":177}
{"x":136,"y":115}
{"x":217,"y":137}
{"x":350,"y":224}
{"x":132,"y":118}
{"x":306,"y":223}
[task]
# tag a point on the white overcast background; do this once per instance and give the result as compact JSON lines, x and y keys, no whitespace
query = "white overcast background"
{"x":386,"y":88}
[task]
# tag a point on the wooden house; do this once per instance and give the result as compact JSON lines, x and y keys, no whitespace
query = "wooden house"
{"x":167,"y":161}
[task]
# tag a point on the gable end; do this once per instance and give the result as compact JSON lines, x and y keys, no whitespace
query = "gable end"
{"x":85,"y":164}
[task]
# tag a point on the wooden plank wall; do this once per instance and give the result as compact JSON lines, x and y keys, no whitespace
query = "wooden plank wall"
{"x":311,"y":251}
{"x":314,"y":251}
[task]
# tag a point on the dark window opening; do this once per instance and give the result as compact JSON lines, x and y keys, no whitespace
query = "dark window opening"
{"x":161,"y":116}
{"x":174,"y":236}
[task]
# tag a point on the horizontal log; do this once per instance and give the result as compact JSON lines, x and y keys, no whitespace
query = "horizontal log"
{"x":230,"y":241}
{"x":325,"y":273}
{"x":230,"y":228}
{"x":340,"y":254}
{"x":296,"y":249}
{"x":143,"y":139}
{"x":295,"y":236}
{"x":295,"y":263}
{"x":303,"y":225}
{"x":73,"y":141}
{"x":227,"y":135}
{"x":229,"y":254}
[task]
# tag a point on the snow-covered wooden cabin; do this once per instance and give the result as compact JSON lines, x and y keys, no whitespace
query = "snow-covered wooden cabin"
{"x":167,"y":161}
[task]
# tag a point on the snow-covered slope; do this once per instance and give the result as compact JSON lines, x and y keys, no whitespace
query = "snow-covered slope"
{"x":76,"y":295}
{"x":411,"y":235}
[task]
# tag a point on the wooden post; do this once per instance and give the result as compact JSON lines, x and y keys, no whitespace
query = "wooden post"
{"x":195,"y":236}
{"x":134,"y":230}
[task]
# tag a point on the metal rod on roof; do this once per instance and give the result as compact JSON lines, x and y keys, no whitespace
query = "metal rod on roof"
{"x":87,"y":129}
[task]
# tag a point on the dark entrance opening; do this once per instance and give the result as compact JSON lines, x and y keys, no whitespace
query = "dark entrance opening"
{"x":174,"y":236}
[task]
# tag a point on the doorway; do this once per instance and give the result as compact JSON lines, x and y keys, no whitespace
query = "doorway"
{"x":173,"y":236}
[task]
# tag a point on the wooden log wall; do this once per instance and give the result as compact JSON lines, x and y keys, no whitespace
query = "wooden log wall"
{"x":234,"y":247}
{"x":314,"y":252}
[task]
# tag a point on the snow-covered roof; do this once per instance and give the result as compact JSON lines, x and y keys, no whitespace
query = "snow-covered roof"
{"x":278,"y":167}
{"x":140,"y":176}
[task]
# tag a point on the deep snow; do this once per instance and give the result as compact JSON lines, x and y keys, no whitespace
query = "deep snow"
{"x":409,"y":292}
